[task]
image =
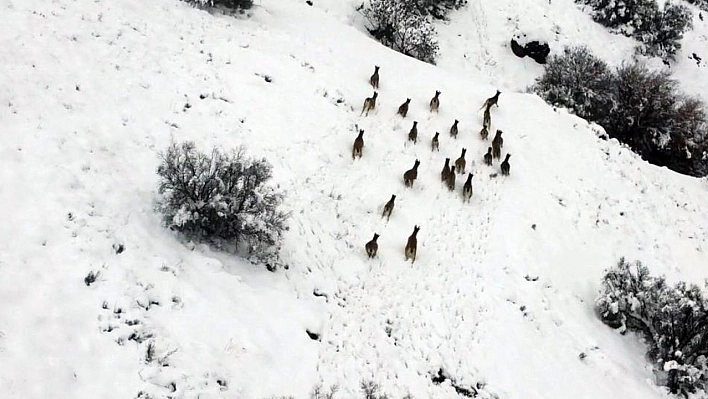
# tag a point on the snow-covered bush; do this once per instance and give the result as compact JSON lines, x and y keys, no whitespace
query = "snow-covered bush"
{"x":439,"y":8}
{"x":673,"y":319}
{"x":221,"y":198}
{"x":651,"y":115}
{"x":702,"y":4}
{"x":400,"y":25}
{"x":235,"y":4}
{"x":577,"y":80}
{"x":659,"y":30}
{"x":640,"y":107}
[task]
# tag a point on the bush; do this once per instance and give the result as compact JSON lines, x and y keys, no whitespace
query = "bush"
{"x":439,"y":8}
{"x":221,"y":199}
{"x":639,"y":107}
{"x":234,"y":4}
{"x":659,"y":31}
{"x":673,"y":319}
{"x":400,"y":25}
{"x":577,"y":80}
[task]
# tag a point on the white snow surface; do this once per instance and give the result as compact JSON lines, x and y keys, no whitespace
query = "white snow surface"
{"x":502,"y":291}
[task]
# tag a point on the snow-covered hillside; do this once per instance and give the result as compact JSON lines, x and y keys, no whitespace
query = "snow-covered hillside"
{"x":500,"y":296}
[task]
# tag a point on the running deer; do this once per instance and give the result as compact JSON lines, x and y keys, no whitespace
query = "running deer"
{"x":358,"y":145}
{"x":435,"y":102}
{"x":488,"y":157}
{"x":369,"y":104}
{"x":484,"y":133}
{"x":491,"y":101}
{"x":453,"y":129}
{"x":467,"y":189}
{"x":372,"y":246}
{"x":451,"y":179}
{"x":412,"y":245}
{"x":411,"y":174}
{"x":505,"y":165}
{"x":445,"y":170}
{"x":413,"y":134}
{"x":487,"y":119}
{"x":403,"y":109}
{"x":388,"y":208}
{"x":374,"y":79}
{"x":497,"y":145}
{"x":435,"y":143}
{"x":460,"y":163}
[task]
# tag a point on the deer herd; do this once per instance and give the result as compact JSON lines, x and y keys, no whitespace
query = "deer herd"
{"x":447,"y":176}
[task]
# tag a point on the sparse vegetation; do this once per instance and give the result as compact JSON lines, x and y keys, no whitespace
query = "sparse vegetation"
{"x":400,"y":25}
{"x":233,"y":4}
{"x":660,"y":30}
{"x":637,"y":106}
{"x":223,"y":199}
{"x":673,"y":320}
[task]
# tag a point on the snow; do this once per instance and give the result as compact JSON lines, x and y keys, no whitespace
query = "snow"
{"x":502,"y":289}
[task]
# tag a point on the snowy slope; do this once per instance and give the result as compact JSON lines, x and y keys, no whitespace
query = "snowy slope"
{"x":92,"y":91}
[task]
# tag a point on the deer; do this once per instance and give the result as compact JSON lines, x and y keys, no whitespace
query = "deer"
{"x":412,"y":245}
{"x":388,"y":208}
{"x":358,"y":145}
{"x":484,"y":133}
{"x":372,"y":246}
{"x":374,"y":79}
{"x":488,"y":157}
{"x":435,"y":102}
{"x":505,"y":165}
{"x":411,"y":174}
{"x":403,"y":109}
{"x":467,"y":189}
{"x":487,"y":119}
{"x":369,"y":104}
{"x":435,"y":143}
{"x":491,"y":101}
{"x":497,"y":144}
{"x":460,"y":162}
{"x":453,"y":129}
{"x":451,"y":179}
{"x":413,"y":134}
{"x":445,"y":170}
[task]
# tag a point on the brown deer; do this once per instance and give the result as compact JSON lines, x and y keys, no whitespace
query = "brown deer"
{"x":488,"y":157}
{"x":412,"y":245}
{"x":505,"y":165}
{"x":491,"y":101}
{"x":435,"y":102}
{"x":403,"y":109}
{"x":451,"y":179}
{"x":369,"y":104}
{"x":484,"y":133}
{"x":453,"y":129}
{"x":413,"y":134}
{"x":374,"y":79}
{"x":411,"y":174}
{"x":487,"y":119}
{"x":445,"y":170}
{"x":435,"y":143}
{"x":467,"y":189}
{"x":372,"y":246}
{"x":358,"y":145}
{"x":497,"y":144}
{"x":460,"y":163}
{"x":388,"y":208}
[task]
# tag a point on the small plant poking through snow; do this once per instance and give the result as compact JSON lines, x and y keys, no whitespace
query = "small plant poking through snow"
{"x":235,"y":4}
{"x":91,"y":278}
{"x":673,"y":319}
{"x":221,"y":198}
{"x":400,"y":25}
